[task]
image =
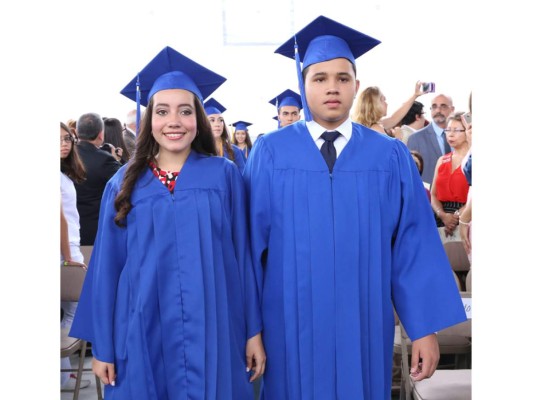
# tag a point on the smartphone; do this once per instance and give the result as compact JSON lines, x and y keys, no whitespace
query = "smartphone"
{"x":428,"y":87}
{"x":106,"y":147}
{"x":467,"y":118}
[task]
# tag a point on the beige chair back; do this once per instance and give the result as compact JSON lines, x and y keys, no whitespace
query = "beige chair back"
{"x":86,"y":251}
{"x":72,"y":278}
{"x":457,"y":256}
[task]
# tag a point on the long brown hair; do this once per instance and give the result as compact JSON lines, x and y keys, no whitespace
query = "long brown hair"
{"x":113,"y":134}
{"x":147,"y":148}
{"x":247,"y":139}
{"x":71,"y":165}
{"x":226,"y":144}
{"x":368,"y":110}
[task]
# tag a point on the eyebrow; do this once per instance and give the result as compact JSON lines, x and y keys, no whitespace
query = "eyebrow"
{"x":336,"y":74}
{"x":168,"y":105}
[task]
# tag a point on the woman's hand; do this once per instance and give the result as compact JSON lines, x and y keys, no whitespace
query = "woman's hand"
{"x":450,"y":223}
{"x":70,"y":263}
{"x":418,"y":89}
{"x":105,"y":371}
{"x":255,"y":357}
{"x":118,"y":153}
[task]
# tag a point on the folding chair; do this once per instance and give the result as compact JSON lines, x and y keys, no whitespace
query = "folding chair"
{"x":72,"y":278}
{"x":452,"y":341}
{"x":445,"y":384}
{"x":469,"y":281}
{"x":458,"y":259}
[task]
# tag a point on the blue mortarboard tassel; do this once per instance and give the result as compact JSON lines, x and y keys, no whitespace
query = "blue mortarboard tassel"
{"x":138,"y":100}
{"x":277,"y":108}
{"x":307,"y":113}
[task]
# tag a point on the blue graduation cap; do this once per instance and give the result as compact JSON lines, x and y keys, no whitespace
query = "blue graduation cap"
{"x":287,"y":98}
{"x":171,"y":70}
{"x":322,"y":40}
{"x":212,"y":106}
{"x":241,"y":125}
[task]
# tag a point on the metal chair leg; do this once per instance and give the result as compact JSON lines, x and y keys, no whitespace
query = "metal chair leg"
{"x":98,"y":388}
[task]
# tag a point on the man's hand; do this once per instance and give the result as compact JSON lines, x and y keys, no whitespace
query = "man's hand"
{"x":425,"y":357}
{"x":104,"y":371}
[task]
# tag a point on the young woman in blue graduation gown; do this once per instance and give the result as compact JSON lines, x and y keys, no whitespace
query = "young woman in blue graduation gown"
{"x":222,"y":142}
{"x":170,"y":302}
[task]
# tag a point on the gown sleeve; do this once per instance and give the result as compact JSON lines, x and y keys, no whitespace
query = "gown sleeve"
{"x":259,"y":169}
{"x":241,"y":242}
{"x":424,"y":291}
{"x":94,"y":316}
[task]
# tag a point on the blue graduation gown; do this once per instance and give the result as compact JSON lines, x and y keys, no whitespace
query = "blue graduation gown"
{"x":171,"y":299}
{"x":342,"y":250}
{"x":240,"y":160}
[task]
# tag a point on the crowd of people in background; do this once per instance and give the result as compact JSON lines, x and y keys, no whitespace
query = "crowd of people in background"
{"x":234,"y":210}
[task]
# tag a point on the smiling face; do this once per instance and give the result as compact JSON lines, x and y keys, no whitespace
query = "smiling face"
{"x":330,"y":88}
{"x":174,"y":121}
{"x":240,"y":137}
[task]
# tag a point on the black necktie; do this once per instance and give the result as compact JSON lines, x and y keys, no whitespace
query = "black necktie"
{"x":328,"y":149}
{"x":447,"y":147}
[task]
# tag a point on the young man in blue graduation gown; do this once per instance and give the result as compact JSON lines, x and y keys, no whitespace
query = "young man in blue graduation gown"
{"x":288,"y":104}
{"x":337,"y":247}
{"x":170,"y":300}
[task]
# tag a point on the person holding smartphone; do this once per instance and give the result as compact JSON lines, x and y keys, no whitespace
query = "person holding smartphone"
{"x":371,"y":109}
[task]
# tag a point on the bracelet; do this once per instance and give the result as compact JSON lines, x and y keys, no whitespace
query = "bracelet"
{"x":66,"y":262}
{"x":463,"y":223}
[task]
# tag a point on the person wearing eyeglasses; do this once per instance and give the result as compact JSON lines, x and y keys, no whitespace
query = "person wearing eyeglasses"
{"x":449,"y":190}
{"x":72,"y":170}
{"x":430,"y":141}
